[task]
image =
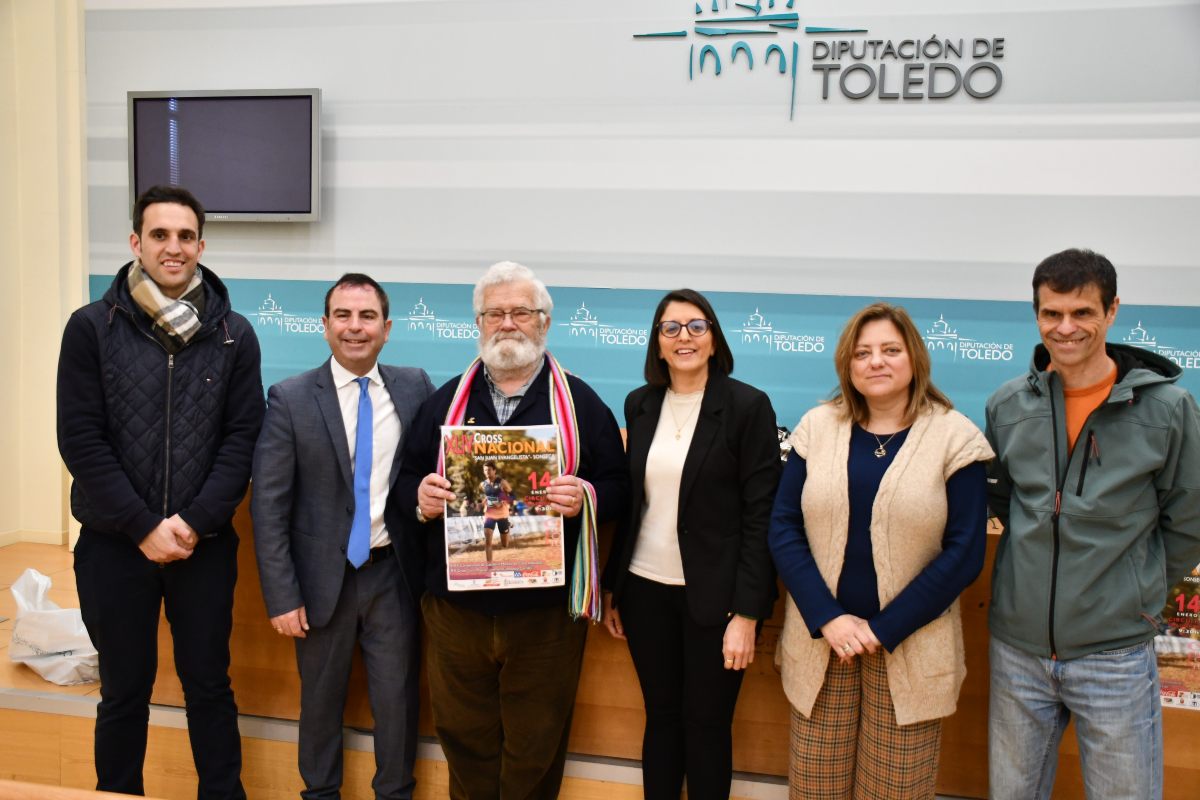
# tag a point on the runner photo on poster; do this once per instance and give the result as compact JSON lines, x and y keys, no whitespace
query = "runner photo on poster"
{"x":500,"y":530}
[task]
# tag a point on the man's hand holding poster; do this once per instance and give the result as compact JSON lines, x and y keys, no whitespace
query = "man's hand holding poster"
{"x":500,"y":531}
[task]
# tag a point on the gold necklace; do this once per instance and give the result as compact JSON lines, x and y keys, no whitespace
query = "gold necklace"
{"x":881,"y":451}
{"x":675,"y":417}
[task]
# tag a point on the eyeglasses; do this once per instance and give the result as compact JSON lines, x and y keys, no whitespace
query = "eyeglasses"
{"x":520,"y":315}
{"x":696,"y":327}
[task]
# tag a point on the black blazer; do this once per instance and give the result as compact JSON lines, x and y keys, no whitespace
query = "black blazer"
{"x":725,"y":498}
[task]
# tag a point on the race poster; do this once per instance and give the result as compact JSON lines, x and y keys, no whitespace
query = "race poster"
{"x":1178,"y":648}
{"x":500,"y":530}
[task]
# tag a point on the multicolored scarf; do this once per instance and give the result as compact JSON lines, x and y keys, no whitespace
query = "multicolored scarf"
{"x":178,"y":317}
{"x":584,"y":594}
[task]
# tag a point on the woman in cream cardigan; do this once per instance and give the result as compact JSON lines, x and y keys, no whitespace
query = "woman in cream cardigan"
{"x":878,"y":526}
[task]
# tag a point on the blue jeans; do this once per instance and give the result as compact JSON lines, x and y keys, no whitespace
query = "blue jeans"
{"x":1114,"y":698}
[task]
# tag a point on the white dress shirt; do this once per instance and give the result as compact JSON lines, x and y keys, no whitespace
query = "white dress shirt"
{"x":386,"y":437}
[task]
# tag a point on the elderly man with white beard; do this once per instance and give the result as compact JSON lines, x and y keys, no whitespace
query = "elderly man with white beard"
{"x":504,"y":664}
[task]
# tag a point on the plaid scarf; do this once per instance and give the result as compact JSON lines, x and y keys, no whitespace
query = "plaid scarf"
{"x":176,"y":317}
{"x":583,"y":599}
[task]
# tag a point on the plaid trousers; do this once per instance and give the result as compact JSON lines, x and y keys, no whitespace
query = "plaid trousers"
{"x":851,"y":747}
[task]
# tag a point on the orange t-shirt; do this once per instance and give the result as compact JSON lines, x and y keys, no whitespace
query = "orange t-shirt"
{"x":1082,"y":402}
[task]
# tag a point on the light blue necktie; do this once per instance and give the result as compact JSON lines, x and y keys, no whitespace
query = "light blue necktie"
{"x":359,"y":549}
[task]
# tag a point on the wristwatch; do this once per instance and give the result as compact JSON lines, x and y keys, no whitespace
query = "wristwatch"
{"x":421,"y":515}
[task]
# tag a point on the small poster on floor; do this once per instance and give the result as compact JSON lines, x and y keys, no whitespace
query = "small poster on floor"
{"x":500,"y":530}
{"x":1178,"y":649}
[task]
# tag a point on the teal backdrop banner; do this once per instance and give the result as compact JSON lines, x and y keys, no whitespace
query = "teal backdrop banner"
{"x":782,"y":343}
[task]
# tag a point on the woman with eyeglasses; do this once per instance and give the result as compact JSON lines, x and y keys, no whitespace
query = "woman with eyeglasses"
{"x":689,"y":577}
{"x":878,"y":526}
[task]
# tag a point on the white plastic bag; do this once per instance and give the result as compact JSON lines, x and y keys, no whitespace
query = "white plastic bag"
{"x":52,"y":641}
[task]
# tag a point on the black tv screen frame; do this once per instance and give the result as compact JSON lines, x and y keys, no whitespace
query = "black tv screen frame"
{"x":248,"y":155}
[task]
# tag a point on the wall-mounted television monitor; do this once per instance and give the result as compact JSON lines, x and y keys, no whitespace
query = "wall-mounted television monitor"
{"x":248,"y":156}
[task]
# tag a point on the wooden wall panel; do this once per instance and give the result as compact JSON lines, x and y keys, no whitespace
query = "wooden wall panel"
{"x":608,"y":713}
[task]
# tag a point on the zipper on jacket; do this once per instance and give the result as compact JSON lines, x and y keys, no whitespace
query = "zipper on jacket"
{"x":167,"y":438}
{"x":170,"y":374}
{"x":1091,"y":449}
{"x":1054,"y":522}
{"x":1091,"y":453}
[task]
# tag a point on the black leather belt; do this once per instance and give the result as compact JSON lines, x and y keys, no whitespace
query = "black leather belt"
{"x":378,"y":554}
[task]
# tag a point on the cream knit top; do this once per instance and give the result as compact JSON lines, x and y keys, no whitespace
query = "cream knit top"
{"x":927,"y":669}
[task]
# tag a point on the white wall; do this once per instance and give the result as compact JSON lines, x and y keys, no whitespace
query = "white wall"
{"x":459,"y":132}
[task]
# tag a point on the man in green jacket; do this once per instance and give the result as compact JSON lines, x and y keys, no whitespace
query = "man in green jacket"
{"x":1097,"y":483}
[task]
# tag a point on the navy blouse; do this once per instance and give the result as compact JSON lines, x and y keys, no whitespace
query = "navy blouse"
{"x":928,"y":595}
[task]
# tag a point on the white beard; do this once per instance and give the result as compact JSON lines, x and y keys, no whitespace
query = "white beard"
{"x":511,"y":352}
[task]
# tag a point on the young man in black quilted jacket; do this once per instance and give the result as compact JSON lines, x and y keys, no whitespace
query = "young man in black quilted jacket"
{"x":159,"y":405}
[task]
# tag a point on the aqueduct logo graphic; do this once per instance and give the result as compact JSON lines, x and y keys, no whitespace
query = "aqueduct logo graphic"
{"x":421,"y":323}
{"x":1187,"y":358}
{"x":911,"y":69}
{"x":271,"y":317}
{"x":586,"y":326}
{"x":758,"y":331}
{"x":942,"y":337}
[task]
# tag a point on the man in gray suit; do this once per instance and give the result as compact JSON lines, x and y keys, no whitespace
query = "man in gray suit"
{"x":335,"y":568}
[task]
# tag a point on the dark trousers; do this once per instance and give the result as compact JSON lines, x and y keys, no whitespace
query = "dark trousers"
{"x":689,"y":695}
{"x":503,"y":691}
{"x":376,"y":612}
{"x":120,"y":594}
